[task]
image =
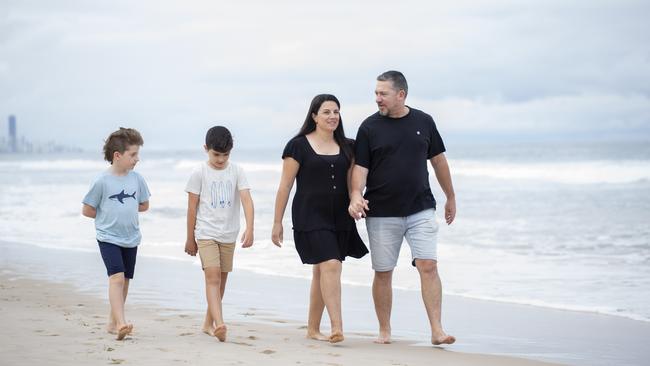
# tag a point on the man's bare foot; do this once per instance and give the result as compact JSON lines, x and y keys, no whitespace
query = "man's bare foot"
{"x":123,"y":331}
{"x":317,"y":335}
{"x":209,"y":331}
{"x":443,"y":339}
{"x":336,"y":337}
{"x":384,"y":337}
{"x":220,"y":332}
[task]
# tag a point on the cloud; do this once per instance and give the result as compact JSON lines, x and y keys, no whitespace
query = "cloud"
{"x":568,"y":114}
{"x":505,"y":66}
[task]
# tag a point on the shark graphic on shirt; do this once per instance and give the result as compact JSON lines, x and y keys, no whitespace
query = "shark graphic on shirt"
{"x":121,"y":196}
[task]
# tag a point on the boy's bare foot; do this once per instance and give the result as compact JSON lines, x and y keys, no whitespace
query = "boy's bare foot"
{"x":336,"y":337}
{"x":317,"y":335}
{"x":220,"y":332}
{"x":123,"y":331}
{"x":442,"y":339}
{"x":384,"y":337}
{"x":208,"y":331}
{"x":111,"y":329}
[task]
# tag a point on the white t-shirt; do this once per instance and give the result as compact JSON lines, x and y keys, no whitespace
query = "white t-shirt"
{"x":218,"y":214}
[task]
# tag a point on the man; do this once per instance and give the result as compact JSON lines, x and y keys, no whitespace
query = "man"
{"x":392,"y":148}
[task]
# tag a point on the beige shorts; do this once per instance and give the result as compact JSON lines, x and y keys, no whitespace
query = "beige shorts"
{"x":216,"y":254}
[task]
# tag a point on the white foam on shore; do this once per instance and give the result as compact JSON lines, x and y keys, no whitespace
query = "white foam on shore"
{"x":569,"y":172}
{"x":566,"y":172}
{"x":556,"y":306}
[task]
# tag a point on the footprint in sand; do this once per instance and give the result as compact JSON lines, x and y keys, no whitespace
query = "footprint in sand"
{"x":268,"y":351}
{"x":116,"y":361}
{"x":242,"y":344}
{"x":252,"y":338}
{"x":185,"y":334}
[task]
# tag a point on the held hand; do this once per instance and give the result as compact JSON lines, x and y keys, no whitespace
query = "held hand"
{"x":276,"y":234}
{"x":358,"y":208}
{"x":247,"y":239}
{"x":190,"y":247}
{"x":450,"y":210}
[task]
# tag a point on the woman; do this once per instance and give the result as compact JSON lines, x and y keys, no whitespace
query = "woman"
{"x":320,"y":159}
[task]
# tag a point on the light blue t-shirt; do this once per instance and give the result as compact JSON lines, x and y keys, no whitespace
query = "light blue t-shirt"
{"x":116,"y":199}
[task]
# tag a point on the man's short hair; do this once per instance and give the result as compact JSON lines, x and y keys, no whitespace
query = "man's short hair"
{"x":218,"y":139}
{"x":397,"y":78}
{"x":120,"y":141}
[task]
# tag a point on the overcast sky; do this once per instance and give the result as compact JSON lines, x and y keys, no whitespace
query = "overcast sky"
{"x":73,"y":71}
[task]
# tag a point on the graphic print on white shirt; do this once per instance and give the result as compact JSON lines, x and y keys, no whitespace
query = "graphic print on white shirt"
{"x":217,"y":216}
{"x":221,"y":194}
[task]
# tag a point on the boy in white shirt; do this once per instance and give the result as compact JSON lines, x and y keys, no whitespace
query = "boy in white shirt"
{"x":215,"y":190}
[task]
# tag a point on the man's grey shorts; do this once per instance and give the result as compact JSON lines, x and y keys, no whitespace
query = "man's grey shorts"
{"x":387,"y":233}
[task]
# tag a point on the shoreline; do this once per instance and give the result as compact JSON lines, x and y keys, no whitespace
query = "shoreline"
{"x":69,"y":329}
{"x":481,"y":327}
{"x":355,"y":284}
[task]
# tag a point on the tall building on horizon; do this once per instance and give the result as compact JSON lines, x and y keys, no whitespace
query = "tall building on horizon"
{"x":13,"y":140}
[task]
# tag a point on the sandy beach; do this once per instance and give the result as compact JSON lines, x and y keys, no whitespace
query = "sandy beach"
{"x":52,"y":324}
{"x":53,"y":308}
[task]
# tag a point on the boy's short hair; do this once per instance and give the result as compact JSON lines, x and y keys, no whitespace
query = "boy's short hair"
{"x":120,"y":141}
{"x":218,"y":139}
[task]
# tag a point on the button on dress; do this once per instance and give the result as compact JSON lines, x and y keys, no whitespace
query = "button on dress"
{"x":322,"y":227}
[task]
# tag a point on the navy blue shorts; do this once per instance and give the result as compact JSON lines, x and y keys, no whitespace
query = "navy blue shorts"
{"x":118,"y":259}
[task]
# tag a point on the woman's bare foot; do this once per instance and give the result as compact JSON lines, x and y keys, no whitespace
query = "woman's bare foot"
{"x":317,"y":335}
{"x":123,"y":331}
{"x":336,"y":337}
{"x":442,"y":339}
{"x":209,"y":331}
{"x":220,"y":332}
{"x":384,"y":337}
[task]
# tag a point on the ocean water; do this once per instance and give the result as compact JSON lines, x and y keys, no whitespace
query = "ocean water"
{"x":564,"y":226}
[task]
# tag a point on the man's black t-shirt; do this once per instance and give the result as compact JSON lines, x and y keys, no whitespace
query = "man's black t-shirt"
{"x":396,"y":152}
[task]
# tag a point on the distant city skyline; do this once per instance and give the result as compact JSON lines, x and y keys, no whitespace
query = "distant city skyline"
{"x":14,"y":143}
{"x":74,"y":71}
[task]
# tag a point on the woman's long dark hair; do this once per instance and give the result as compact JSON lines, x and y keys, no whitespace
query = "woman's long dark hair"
{"x":309,"y":125}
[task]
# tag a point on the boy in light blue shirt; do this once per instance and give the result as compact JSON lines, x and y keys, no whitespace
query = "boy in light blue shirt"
{"x":114,"y":200}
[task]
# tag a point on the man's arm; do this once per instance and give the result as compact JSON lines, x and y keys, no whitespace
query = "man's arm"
{"x":441,"y":168}
{"x":358,"y":205}
{"x":249,"y":214}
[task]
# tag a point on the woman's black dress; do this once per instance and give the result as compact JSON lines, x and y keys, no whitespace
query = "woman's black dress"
{"x":322,"y":228}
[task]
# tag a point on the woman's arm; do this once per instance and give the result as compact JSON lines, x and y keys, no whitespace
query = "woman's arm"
{"x":289,"y":171}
